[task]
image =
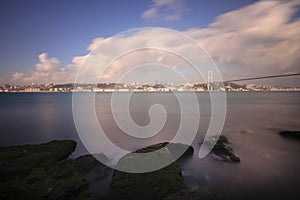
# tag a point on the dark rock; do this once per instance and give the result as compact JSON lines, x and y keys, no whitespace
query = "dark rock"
{"x":96,"y":174}
{"x":225,"y":153}
{"x":38,"y":172}
{"x":222,"y":140}
{"x":88,"y":163}
{"x":64,"y":169}
{"x":192,"y":195}
{"x":18,"y":161}
{"x":92,"y":169}
{"x":153,"y":185}
{"x":222,"y":150}
{"x":178,"y":150}
{"x":290,"y":134}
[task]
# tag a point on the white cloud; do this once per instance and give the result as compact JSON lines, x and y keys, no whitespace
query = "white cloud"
{"x":261,"y":36}
{"x":150,"y":14}
{"x":47,"y":64}
{"x":96,"y":42}
{"x":49,"y":70}
{"x":165,"y":10}
{"x":17,"y":77}
{"x":112,"y":51}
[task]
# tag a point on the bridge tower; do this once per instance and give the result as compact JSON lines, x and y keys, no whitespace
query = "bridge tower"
{"x":209,"y":81}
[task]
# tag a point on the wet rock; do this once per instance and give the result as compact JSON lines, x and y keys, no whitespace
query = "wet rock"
{"x":39,"y":172}
{"x":192,"y":195}
{"x":178,"y":150}
{"x":154,"y":185}
{"x":222,"y":150}
{"x":96,"y":174}
{"x":92,"y":169}
{"x":290,"y":134}
{"x":90,"y":162}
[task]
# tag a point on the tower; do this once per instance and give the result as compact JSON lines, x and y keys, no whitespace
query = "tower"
{"x":209,"y":81}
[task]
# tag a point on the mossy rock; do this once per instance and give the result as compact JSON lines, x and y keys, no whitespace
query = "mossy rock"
{"x":56,"y":149}
{"x":90,"y":162}
{"x":154,"y":185}
{"x":177,"y":150}
{"x":67,"y":183}
{"x":193,"y":195}
{"x":39,"y":172}
{"x":222,"y":150}
{"x":92,"y":169}
{"x":180,"y":151}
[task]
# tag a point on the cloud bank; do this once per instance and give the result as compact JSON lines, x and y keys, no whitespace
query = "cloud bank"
{"x":49,"y":70}
{"x":262,"y":38}
{"x":165,"y":10}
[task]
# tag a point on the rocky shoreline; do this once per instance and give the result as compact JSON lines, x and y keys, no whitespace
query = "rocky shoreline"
{"x":44,"y":171}
{"x":222,"y":150}
{"x":41,"y":172}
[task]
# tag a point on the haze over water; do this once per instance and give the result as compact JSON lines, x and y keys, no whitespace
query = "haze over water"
{"x":269,"y":163}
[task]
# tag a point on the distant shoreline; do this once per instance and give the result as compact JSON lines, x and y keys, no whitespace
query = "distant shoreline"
{"x":108,"y":92}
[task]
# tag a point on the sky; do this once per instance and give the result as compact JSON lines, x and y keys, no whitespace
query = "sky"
{"x":48,"y":41}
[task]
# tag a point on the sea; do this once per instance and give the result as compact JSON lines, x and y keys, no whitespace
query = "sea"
{"x":270,"y":163}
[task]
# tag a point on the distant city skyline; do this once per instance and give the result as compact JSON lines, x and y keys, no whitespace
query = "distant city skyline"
{"x":47,"y":41}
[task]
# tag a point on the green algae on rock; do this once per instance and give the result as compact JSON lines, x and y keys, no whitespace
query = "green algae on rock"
{"x":39,"y":172}
{"x":193,"y":195}
{"x":154,"y":185}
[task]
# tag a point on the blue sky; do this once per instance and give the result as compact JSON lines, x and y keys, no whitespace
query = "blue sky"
{"x":63,"y":29}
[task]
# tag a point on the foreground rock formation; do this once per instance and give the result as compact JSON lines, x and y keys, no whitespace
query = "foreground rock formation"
{"x":192,"y":195}
{"x":44,"y":171}
{"x":154,"y":185}
{"x":222,"y":150}
{"x":38,"y":172}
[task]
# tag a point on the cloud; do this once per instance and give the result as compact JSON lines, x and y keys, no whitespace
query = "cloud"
{"x":47,"y":64}
{"x":150,"y":14}
{"x":95,"y":43}
{"x":49,"y":70}
{"x":17,"y":77}
{"x":3,"y":80}
{"x":261,"y":37}
{"x":138,"y":45}
{"x":165,"y":10}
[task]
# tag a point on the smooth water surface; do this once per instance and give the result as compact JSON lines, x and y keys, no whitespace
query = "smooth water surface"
{"x":269,"y":165}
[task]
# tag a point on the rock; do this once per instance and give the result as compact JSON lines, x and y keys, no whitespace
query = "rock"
{"x":222,"y":140}
{"x":68,"y":183}
{"x":222,"y":150}
{"x":225,"y":153}
{"x":18,"y":161}
{"x":39,"y":172}
{"x":96,"y":174}
{"x":290,"y":134}
{"x":91,"y":168}
{"x":89,"y":162}
{"x":153,"y":185}
{"x":178,"y":150}
{"x":192,"y":195}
